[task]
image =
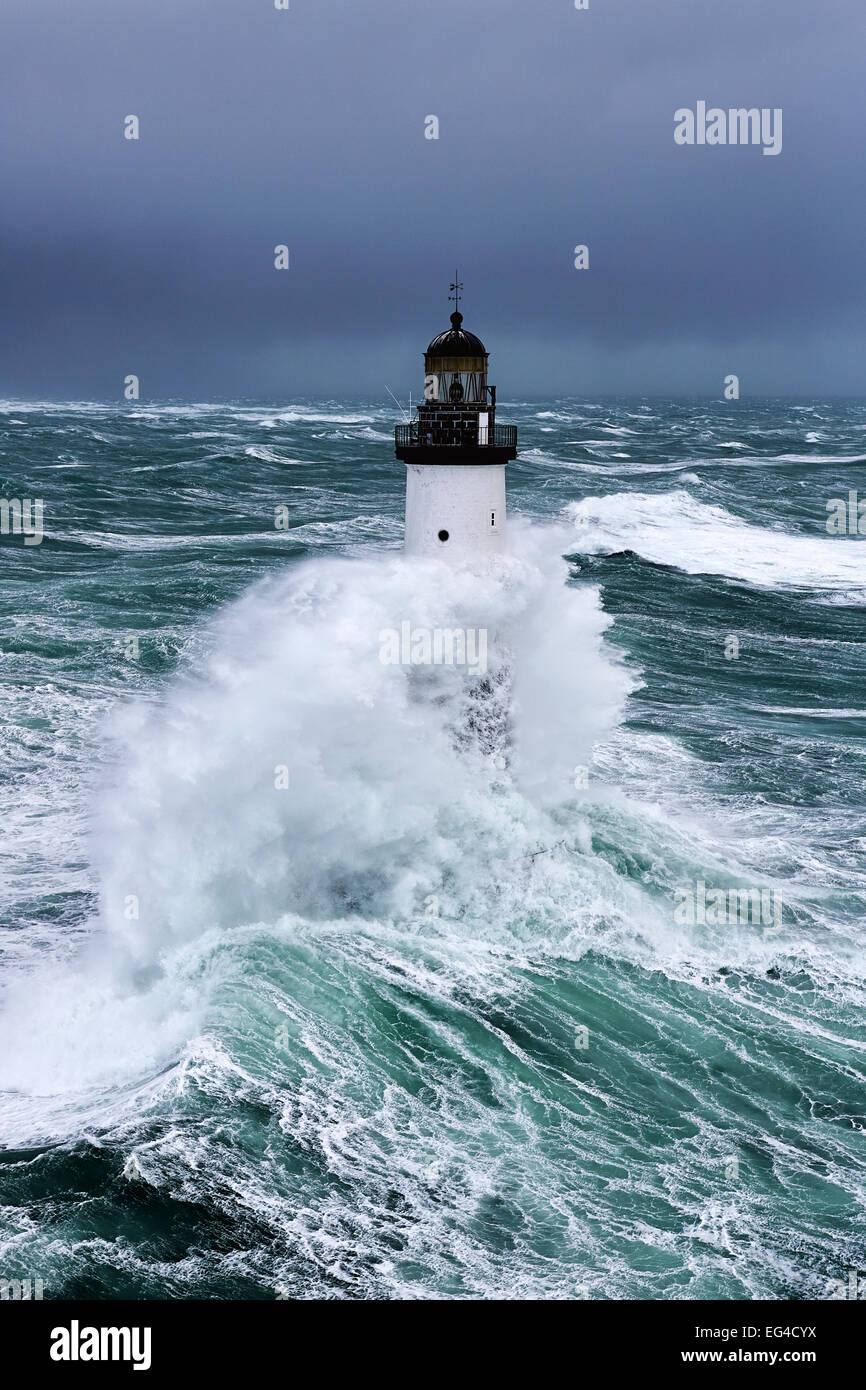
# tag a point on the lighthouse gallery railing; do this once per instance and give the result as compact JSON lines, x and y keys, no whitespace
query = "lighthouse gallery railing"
{"x":500,"y":437}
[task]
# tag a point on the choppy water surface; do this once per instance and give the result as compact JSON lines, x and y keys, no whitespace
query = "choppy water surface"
{"x":426,"y":1022}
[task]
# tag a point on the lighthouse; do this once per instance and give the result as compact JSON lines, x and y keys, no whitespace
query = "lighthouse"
{"x":455,"y":453}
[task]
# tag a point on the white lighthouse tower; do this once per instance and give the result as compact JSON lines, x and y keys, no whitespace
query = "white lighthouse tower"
{"x":455,"y":453}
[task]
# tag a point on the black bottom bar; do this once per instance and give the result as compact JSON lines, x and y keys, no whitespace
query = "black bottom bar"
{"x":224,"y":1339}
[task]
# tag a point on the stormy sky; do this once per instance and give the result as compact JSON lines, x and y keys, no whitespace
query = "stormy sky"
{"x":306,"y":127}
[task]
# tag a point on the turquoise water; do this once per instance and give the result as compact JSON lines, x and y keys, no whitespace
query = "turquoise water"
{"x":426,"y":1023}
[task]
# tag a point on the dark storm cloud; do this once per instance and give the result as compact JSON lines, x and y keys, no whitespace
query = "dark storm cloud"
{"x":306,"y":127}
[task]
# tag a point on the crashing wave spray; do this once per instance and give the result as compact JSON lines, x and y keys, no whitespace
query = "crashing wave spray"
{"x":293,"y":775}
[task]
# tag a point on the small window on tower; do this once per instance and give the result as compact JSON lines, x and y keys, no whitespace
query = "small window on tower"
{"x":443,"y":535}
{"x":492,"y":518}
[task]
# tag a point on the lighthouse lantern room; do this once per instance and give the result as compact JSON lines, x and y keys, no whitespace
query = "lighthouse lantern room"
{"x":455,"y":453}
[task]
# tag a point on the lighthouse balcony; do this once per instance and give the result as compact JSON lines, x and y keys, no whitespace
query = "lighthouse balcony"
{"x":416,"y":438}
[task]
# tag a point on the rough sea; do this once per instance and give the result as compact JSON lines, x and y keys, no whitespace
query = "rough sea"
{"x":324,"y":977}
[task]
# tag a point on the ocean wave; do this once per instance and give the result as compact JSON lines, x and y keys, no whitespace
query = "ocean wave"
{"x":265,"y":455}
{"x":672,"y":528}
{"x":318,"y":700}
{"x":810,"y":711}
{"x":313,"y":417}
{"x":814,"y":458}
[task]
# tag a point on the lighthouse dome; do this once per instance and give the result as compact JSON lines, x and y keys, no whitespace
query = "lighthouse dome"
{"x":456,"y":342}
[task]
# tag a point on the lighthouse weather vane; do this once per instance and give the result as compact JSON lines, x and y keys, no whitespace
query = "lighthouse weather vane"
{"x":456,"y":288}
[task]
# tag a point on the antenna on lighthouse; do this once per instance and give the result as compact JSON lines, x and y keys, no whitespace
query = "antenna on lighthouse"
{"x":397,"y":403}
